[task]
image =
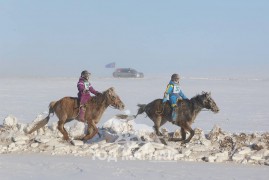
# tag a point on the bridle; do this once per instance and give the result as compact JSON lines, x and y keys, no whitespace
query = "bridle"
{"x":115,"y":101}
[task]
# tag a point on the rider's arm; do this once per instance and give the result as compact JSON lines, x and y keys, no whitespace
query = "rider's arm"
{"x":182,"y":95}
{"x":93,"y":91}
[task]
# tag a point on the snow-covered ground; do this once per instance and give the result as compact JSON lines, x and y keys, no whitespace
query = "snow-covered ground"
{"x":243,"y":108}
{"x":43,"y":167}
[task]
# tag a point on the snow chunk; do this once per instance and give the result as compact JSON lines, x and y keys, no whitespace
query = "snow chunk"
{"x":123,"y":126}
{"x":10,"y":120}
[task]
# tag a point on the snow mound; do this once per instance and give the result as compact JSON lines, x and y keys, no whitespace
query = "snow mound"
{"x":126,"y":140}
{"x":123,"y":126}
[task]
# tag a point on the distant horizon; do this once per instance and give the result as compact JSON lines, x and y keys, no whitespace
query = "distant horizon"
{"x":220,"y":76}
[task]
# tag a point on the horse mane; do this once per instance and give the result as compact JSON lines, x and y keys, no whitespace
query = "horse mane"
{"x":197,"y":98}
{"x":99,"y":99}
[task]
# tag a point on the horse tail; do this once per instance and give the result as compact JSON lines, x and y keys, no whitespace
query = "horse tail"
{"x":141,"y":109}
{"x":44,"y":121}
{"x":51,"y":107}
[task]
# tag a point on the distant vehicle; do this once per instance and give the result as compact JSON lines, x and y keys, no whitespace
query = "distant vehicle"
{"x":127,"y":73}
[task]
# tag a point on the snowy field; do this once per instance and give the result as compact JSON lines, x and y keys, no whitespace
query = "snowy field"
{"x":243,"y":105}
{"x":243,"y":102}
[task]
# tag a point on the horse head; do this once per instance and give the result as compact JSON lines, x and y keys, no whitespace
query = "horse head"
{"x":113,"y":99}
{"x":208,"y":102}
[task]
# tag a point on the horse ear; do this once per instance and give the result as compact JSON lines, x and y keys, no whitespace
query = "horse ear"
{"x":208,"y":94}
{"x":110,"y":90}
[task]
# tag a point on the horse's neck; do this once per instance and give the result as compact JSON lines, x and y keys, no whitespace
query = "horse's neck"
{"x":196,"y":106}
{"x":102,"y":106}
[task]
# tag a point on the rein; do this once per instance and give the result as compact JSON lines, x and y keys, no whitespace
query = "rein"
{"x":111,"y":106}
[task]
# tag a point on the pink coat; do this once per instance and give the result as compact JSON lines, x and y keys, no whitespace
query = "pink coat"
{"x":84,"y":90}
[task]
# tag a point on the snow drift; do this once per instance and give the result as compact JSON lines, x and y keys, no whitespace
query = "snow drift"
{"x":126,"y":140}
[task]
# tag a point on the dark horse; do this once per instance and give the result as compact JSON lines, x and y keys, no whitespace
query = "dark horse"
{"x":188,"y":110}
{"x":67,"y":109}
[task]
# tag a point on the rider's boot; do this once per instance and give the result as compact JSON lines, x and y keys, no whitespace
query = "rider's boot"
{"x":81,"y":116}
{"x":174,"y":114}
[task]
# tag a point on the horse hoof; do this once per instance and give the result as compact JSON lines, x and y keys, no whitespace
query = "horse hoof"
{"x":72,"y":142}
{"x":185,"y":142}
{"x":163,"y":141}
{"x":84,"y":141}
{"x":80,"y":138}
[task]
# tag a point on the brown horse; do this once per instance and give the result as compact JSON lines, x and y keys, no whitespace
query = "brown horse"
{"x":67,"y":109}
{"x":160,"y":113}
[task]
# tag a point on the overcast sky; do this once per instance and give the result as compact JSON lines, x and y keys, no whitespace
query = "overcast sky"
{"x":64,"y":37}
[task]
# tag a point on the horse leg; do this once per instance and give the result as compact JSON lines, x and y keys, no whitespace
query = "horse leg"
{"x":92,"y":131}
{"x":157,"y":124}
{"x":183,"y":136}
{"x":62,"y":130}
{"x":189,"y":129}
